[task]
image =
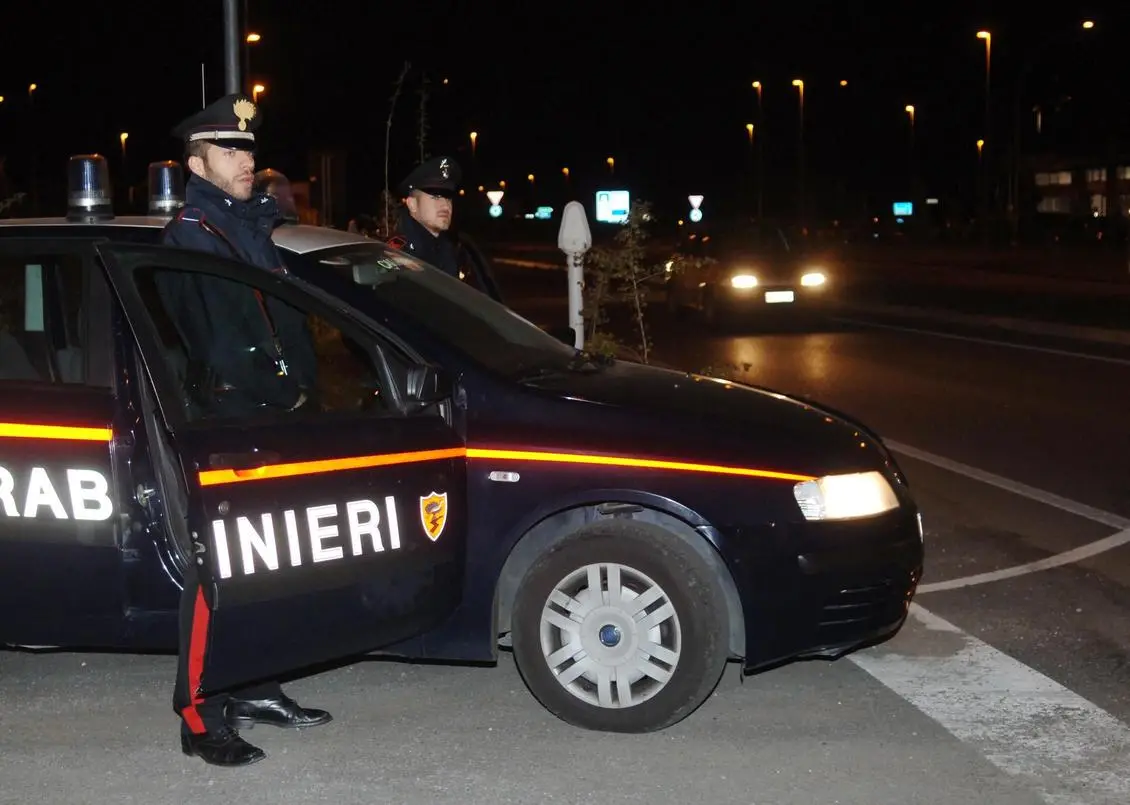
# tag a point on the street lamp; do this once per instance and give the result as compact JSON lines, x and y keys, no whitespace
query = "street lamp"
{"x":474,"y":140}
{"x":252,"y":38}
{"x":799,"y":84}
{"x":530,"y":178}
{"x":1088,"y":24}
{"x":611,"y":165}
{"x":843,"y":82}
{"x":988,"y":37}
{"x":123,"y":137}
{"x":565,"y":172}
{"x":760,"y":170}
{"x":256,"y":91}
{"x":910,"y":111}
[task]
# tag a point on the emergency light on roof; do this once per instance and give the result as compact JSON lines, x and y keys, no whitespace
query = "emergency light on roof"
{"x":166,"y":187}
{"x":88,"y":188}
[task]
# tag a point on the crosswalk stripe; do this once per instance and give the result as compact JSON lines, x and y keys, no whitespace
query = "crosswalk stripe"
{"x":1056,"y":742}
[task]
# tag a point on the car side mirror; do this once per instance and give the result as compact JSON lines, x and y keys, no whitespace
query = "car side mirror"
{"x":366,"y":274}
{"x":429,"y":384}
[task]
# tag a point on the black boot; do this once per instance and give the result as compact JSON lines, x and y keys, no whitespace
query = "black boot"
{"x":223,"y":747}
{"x":242,"y":714}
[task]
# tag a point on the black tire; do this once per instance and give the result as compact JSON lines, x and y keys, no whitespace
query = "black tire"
{"x":690,"y":586}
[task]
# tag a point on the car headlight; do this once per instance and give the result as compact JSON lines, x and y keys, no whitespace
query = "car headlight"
{"x":813,"y":278}
{"x":843,"y":497}
{"x":743,"y":281}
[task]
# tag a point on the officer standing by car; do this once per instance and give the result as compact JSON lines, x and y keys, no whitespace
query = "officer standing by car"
{"x":424,"y":225}
{"x":429,"y":198}
{"x":223,"y":215}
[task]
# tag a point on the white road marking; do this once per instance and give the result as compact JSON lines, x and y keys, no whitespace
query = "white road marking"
{"x":1015,"y":487}
{"x":1066,"y":558}
{"x":1116,"y":540}
{"x":1029,"y":347}
{"x":1059,"y":744}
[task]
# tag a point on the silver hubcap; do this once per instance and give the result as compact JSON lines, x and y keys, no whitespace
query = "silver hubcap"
{"x":610,"y":635}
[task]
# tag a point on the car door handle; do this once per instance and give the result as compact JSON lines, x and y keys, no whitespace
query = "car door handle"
{"x":249,"y":460}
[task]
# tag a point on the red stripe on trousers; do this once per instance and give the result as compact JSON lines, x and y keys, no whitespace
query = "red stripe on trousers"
{"x":198,"y":640}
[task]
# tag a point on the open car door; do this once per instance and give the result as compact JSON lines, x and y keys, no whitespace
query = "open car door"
{"x":326,"y":490}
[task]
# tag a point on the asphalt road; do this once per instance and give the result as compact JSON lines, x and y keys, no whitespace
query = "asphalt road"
{"x":1010,"y":684}
{"x":895,"y":280}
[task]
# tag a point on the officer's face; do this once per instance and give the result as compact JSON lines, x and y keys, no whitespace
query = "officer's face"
{"x":432,"y":211}
{"x":230,"y":169}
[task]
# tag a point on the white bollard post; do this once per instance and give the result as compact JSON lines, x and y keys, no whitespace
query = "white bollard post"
{"x":574,"y":239}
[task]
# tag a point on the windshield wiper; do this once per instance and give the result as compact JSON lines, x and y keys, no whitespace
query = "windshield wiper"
{"x":581,"y":362}
{"x":585,"y":361}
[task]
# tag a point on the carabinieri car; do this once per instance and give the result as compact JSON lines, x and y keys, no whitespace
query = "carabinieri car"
{"x":465,"y":481}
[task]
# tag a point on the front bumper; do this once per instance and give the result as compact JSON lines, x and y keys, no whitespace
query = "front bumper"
{"x":769,"y":298}
{"x":822,"y":590}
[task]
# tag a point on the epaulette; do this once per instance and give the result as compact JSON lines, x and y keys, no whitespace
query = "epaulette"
{"x":195,"y":215}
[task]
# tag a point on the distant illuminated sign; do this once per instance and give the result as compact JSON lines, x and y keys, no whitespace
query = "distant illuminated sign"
{"x":495,"y":197}
{"x":696,"y":201}
{"x":696,"y":215}
{"x":612,"y":206}
{"x":495,"y":210}
{"x":543,"y":213}
{"x":904,"y":208}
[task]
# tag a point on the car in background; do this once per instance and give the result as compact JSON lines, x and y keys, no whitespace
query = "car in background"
{"x":745,"y":273}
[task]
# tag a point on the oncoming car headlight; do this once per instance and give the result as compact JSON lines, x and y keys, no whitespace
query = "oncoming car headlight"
{"x":813,"y":278}
{"x":843,"y":497}
{"x":743,"y":281}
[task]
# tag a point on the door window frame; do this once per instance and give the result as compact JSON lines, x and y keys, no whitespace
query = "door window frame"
{"x":126,"y":259}
{"x":95,"y":329}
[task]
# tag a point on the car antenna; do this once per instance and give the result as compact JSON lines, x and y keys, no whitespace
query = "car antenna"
{"x":203,"y":94}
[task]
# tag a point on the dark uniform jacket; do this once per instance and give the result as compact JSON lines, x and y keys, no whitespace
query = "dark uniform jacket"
{"x":245,"y":351}
{"x":438,"y":250}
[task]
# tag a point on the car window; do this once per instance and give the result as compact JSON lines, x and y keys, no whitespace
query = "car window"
{"x":42,"y":335}
{"x":467,"y":320}
{"x":236,"y":352}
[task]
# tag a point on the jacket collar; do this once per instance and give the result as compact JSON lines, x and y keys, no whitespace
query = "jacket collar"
{"x":416,"y":232}
{"x":200,"y":191}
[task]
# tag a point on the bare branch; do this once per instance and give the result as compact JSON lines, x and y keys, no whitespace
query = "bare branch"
{"x":388,"y":136}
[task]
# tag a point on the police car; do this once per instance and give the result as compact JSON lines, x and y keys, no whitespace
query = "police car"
{"x":465,"y":482}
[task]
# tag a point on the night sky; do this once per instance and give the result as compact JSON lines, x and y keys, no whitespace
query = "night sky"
{"x":667,"y":94}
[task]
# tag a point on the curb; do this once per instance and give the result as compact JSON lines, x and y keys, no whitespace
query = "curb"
{"x":1100,"y":334}
{"x":539,"y":264}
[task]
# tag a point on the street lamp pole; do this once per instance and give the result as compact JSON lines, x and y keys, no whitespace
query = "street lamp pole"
{"x":760,"y":154}
{"x":231,"y":47}
{"x":799,"y":84}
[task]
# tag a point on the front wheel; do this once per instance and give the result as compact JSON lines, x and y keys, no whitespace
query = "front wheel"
{"x":620,"y":627}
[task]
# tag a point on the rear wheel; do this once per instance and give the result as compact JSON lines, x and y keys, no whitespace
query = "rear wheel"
{"x":620,"y":627}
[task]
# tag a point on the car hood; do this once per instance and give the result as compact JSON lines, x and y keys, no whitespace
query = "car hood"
{"x":782,"y":265}
{"x":665,"y":412}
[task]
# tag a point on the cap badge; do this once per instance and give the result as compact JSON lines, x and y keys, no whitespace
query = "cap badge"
{"x":443,"y":169}
{"x":244,"y":110}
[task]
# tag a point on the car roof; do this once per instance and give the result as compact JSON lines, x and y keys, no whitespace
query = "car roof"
{"x":298,"y":238}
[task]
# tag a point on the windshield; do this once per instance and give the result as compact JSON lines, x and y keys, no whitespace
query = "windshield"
{"x":768,"y":240}
{"x":466,"y":319}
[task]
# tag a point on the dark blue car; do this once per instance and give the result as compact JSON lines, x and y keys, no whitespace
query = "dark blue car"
{"x":464,"y":482}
